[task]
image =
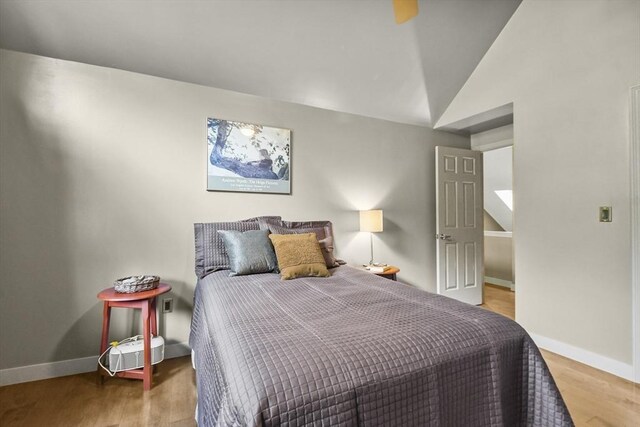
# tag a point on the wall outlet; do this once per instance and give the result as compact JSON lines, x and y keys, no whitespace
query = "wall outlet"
{"x":167,"y":305}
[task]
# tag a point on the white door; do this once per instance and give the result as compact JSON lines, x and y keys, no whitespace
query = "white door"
{"x":459,"y":224}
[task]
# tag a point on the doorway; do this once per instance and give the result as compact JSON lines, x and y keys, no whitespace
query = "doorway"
{"x":499,"y":261}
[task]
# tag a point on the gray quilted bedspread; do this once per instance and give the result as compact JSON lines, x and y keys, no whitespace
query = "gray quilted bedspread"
{"x":357,"y":349}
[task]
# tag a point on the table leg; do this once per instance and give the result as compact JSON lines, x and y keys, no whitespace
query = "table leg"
{"x":154,"y":318}
{"x":106,"y":317}
{"x":154,"y":324}
{"x":104,"y":342}
{"x":148,"y":370}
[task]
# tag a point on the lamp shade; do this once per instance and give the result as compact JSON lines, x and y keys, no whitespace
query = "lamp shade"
{"x":371,"y":221}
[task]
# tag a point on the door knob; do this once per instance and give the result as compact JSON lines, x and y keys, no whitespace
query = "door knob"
{"x":443,"y":236}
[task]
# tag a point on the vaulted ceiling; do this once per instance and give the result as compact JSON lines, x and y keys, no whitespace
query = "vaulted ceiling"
{"x":343,"y":55}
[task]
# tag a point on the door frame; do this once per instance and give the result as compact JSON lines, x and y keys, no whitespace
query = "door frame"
{"x":495,"y":139}
{"x":634,"y":158}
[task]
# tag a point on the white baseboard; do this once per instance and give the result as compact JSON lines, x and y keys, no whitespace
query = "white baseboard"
{"x":43,"y":371}
{"x":603,"y":363}
{"x":500,"y":282}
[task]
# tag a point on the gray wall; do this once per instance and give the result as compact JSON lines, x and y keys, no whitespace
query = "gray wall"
{"x":103,"y":175}
{"x":498,"y":258}
{"x":567,"y":67}
{"x":498,"y":252}
{"x":491,"y":224}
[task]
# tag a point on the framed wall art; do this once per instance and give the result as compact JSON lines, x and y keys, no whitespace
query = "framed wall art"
{"x":247,"y":157}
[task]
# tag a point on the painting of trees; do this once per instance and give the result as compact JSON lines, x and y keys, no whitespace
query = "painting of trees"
{"x":250,"y":151}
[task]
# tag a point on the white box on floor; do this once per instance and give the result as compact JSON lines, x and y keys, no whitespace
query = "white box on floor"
{"x":130,"y":355}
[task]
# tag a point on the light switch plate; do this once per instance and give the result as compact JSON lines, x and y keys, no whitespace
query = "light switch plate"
{"x":605,"y":214}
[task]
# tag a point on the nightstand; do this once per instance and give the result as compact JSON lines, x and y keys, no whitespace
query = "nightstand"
{"x":146,"y":302}
{"x":388,"y":274}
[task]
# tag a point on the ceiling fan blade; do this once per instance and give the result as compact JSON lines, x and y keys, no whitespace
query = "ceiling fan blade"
{"x":405,"y":10}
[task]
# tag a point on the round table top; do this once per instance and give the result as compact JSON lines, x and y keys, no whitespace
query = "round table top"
{"x":110,"y":294}
{"x":391,"y":270}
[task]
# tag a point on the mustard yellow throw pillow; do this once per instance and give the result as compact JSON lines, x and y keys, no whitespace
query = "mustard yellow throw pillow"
{"x":299,"y":255}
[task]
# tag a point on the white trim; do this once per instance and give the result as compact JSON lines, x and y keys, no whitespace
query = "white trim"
{"x":500,"y":282}
{"x":492,"y":139}
{"x":634,"y":155}
{"x":603,"y":363}
{"x":493,"y":145}
{"x":43,"y":371}
{"x":491,"y":233}
{"x":478,"y":123}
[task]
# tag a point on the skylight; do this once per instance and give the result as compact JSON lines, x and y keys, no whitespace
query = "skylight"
{"x":507,"y":197}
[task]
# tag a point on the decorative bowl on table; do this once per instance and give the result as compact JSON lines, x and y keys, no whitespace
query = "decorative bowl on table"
{"x":132,"y":284}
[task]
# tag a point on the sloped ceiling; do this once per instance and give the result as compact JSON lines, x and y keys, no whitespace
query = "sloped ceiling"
{"x":343,"y":55}
{"x":498,"y":176}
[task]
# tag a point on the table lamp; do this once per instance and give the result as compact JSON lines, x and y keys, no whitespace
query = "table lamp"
{"x":371,"y":221}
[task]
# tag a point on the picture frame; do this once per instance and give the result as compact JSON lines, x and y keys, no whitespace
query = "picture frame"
{"x":248,"y":157}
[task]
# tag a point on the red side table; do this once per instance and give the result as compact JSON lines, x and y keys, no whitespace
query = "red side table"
{"x":145,"y":301}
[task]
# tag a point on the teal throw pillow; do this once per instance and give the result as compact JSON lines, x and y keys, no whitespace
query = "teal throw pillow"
{"x":250,"y":252}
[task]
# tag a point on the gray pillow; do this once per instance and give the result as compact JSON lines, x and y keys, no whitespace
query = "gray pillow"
{"x":322,"y":230}
{"x":328,"y":228}
{"x":250,"y":252}
{"x":211,"y":255}
{"x":326,"y":245}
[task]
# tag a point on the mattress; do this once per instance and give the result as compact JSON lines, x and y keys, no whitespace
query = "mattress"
{"x":358,"y":349}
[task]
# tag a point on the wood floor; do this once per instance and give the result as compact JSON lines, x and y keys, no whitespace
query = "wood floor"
{"x":500,"y":300}
{"x":78,"y":400}
{"x":594,"y":398}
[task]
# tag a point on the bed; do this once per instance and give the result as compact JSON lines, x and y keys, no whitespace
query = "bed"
{"x":357,"y":349}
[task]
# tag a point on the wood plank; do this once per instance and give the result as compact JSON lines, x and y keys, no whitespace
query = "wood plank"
{"x":78,"y":400}
{"x":500,"y":300}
